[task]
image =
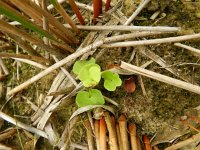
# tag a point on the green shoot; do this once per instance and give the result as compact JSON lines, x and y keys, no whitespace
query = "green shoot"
{"x":91,"y":97}
{"x":111,"y":80}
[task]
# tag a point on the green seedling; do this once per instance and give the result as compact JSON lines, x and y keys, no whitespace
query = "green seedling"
{"x":88,"y":72}
{"x":90,"y":97}
{"x":111,"y":80}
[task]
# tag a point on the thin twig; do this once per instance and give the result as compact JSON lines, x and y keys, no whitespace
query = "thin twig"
{"x":160,"y":77}
{"x":192,"y":49}
{"x":152,"y":41}
{"x":127,"y":28}
{"x":138,"y":10}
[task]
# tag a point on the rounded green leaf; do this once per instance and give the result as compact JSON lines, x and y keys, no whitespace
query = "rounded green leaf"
{"x":92,"y":97}
{"x":80,"y":65}
{"x":111,"y":80}
{"x":95,"y":73}
{"x":109,"y":85}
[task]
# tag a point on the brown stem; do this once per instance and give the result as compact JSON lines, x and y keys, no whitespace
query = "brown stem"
{"x":97,"y":8}
{"x":77,"y":12}
{"x":107,"y":5}
{"x":139,"y":144}
{"x":133,"y":138}
{"x":147,"y":143}
{"x":123,"y":132}
{"x":119,"y":137}
{"x":112,"y":133}
{"x":102,"y":135}
{"x":97,"y":133}
{"x":90,"y":138}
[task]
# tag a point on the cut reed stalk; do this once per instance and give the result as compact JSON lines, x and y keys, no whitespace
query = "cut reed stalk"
{"x":77,"y":12}
{"x":102,"y":134}
{"x":97,"y":133}
{"x":112,"y":133}
{"x":119,"y":137}
{"x":160,"y":77}
{"x":139,"y":146}
{"x":123,"y":132}
{"x":138,"y":10}
{"x":128,"y":28}
{"x":147,"y":143}
{"x":133,"y":136}
{"x":153,"y":41}
{"x":90,"y":139}
{"x":192,"y":49}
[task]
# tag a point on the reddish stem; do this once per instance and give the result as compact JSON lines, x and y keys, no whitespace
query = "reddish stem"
{"x":107,"y":5}
{"x":77,"y":12}
{"x":147,"y":143}
{"x":97,"y":8}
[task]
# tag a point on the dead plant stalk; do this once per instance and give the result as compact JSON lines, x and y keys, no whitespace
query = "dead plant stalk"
{"x":160,"y":77}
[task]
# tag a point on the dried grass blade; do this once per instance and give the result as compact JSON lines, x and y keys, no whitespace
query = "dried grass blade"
{"x":15,"y":15}
{"x":38,"y":13}
{"x":22,"y":125}
{"x":66,"y":17}
{"x":76,"y":11}
{"x":90,"y":107}
{"x":24,"y":45}
{"x":29,"y":57}
{"x":160,"y":77}
{"x":4,"y":26}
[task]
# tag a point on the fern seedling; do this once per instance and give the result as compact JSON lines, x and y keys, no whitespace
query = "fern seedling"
{"x":90,"y":97}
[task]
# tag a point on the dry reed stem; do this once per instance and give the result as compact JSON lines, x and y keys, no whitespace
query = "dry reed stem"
{"x":90,"y":139}
{"x":4,"y":26}
{"x":23,"y":56}
{"x":160,"y":77}
{"x":139,"y":146}
{"x":119,"y":137}
{"x":153,"y":41}
{"x":7,"y":134}
{"x":22,"y":125}
{"x":133,"y":136}
{"x":194,"y":138}
{"x":76,"y":11}
{"x":97,"y":133}
{"x":66,"y":72}
{"x":138,"y":10}
{"x":36,"y":12}
{"x":4,"y":147}
{"x":78,"y":146}
{"x":3,"y":66}
{"x":66,"y":17}
{"x":147,"y":143}
{"x":35,"y":64}
{"x":192,"y":49}
{"x":112,"y":133}
{"x":55,"y":66}
{"x":123,"y":132}
{"x":24,"y":45}
{"x":102,"y":134}
{"x":127,"y":28}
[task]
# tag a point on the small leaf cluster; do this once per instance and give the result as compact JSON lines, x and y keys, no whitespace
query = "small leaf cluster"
{"x":90,"y":75}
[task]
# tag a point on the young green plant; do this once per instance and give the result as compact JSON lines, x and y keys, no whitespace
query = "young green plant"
{"x":90,"y":75}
